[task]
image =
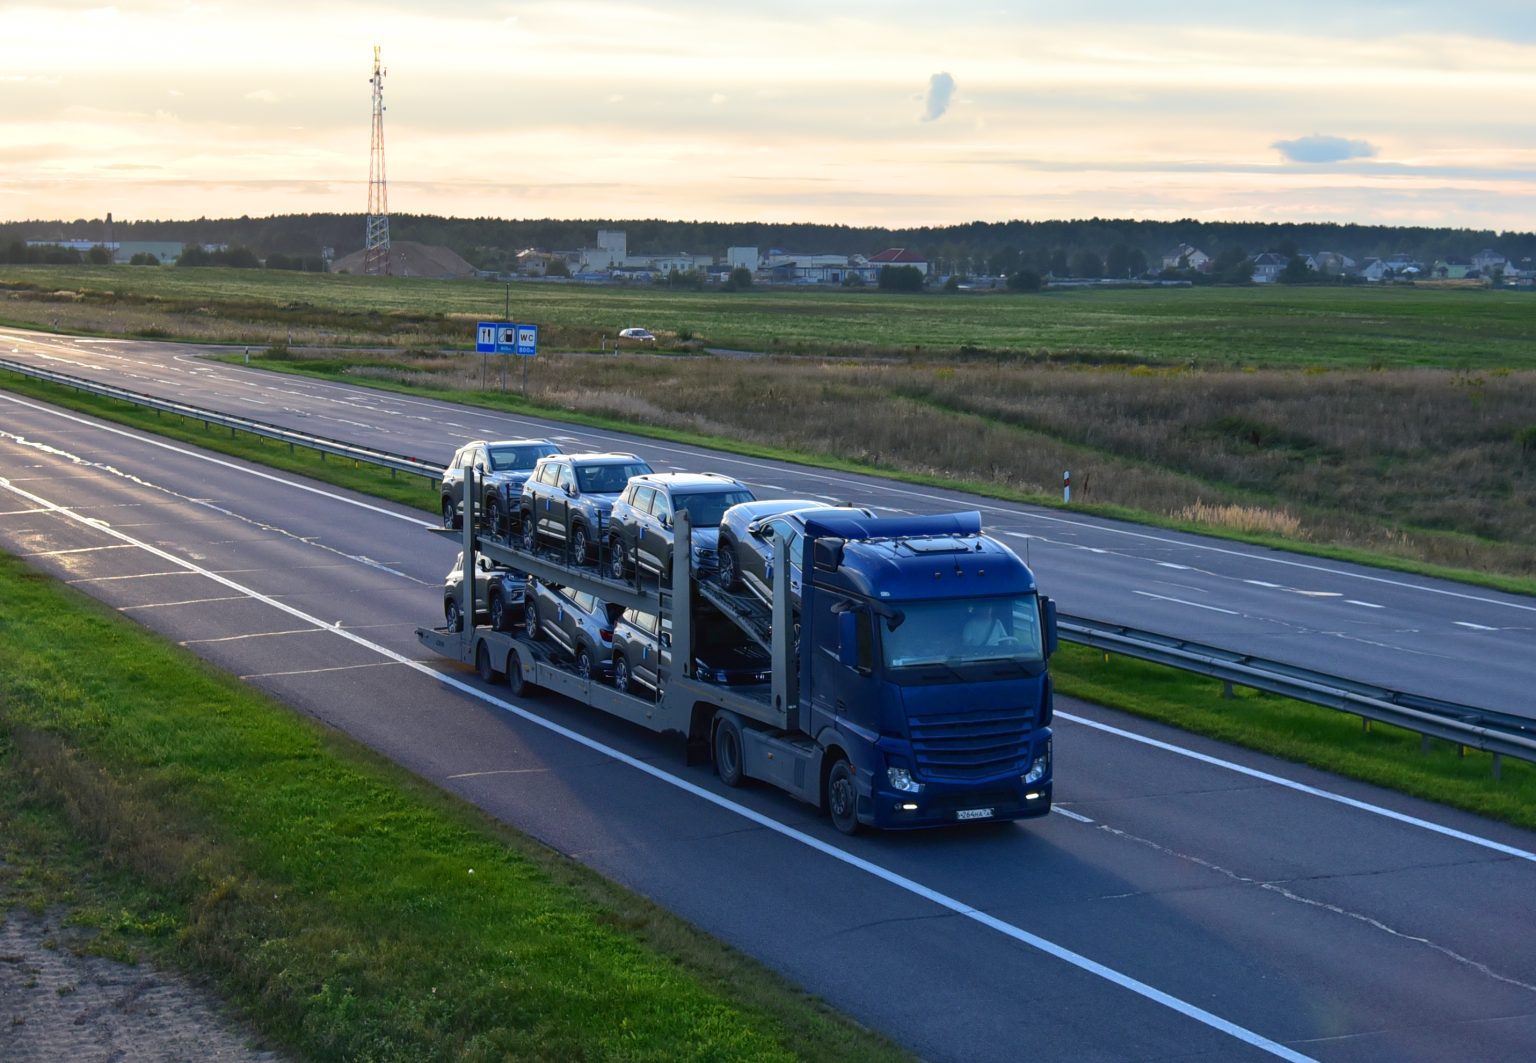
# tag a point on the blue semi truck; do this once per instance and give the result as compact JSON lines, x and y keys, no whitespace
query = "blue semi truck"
{"x":911,"y":690}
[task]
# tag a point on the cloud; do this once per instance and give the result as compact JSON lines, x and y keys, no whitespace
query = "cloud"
{"x":718,"y":98}
{"x":1324,"y":149}
{"x":262,"y":96}
{"x":940,"y":88}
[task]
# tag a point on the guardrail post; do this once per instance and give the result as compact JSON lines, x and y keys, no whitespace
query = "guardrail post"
{"x":1226,"y":690}
{"x":1498,"y":767}
{"x":1423,"y":743}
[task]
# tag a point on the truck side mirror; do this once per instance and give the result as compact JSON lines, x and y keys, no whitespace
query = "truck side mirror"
{"x":1048,"y":607}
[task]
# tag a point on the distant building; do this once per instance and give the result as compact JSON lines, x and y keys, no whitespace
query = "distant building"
{"x":743,"y":258}
{"x":1334,"y":263}
{"x":1187,"y":256}
{"x":166,"y":252}
{"x":1268,"y":267}
{"x":899,"y":256}
{"x":1488,"y":260}
{"x":1453,"y":267}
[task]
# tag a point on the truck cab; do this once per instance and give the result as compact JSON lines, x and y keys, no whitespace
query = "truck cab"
{"x":923,"y":663}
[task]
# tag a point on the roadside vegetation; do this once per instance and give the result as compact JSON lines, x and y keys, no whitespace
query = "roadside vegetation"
{"x":347,"y":909}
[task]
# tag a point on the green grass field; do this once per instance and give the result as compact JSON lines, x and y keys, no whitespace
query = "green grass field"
{"x":1360,"y":326}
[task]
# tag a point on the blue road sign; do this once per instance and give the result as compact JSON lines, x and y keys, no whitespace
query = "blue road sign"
{"x":506,"y":337}
{"x":527,"y":340}
{"x":486,"y":334}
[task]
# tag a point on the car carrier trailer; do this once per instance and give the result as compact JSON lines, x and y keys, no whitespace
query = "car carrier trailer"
{"x":875,"y":726}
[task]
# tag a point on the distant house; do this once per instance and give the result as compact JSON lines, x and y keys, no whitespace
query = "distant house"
{"x":1187,"y":256}
{"x":1334,"y":263}
{"x":899,"y":256}
{"x":1375,"y":270}
{"x":1268,"y":267}
{"x":1453,"y":268}
{"x":1488,"y":260}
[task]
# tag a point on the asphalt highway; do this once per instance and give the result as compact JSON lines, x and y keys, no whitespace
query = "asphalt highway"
{"x":1432,"y":637}
{"x":1186,"y":901}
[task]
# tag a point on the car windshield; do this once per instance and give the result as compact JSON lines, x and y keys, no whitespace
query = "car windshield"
{"x":507,"y":459}
{"x":964,"y":632}
{"x":608,"y":479}
{"x":706,"y":509}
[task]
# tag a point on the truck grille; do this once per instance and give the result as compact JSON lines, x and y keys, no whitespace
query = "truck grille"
{"x":972,"y":745}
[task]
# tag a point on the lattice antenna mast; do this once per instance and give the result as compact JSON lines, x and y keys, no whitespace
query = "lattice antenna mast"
{"x":376,"y":246}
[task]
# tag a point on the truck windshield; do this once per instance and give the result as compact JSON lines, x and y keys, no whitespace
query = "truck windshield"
{"x":706,"y":508}
{"x":505,"y":459}
{"x":608,"y":479}
{"x":966,"y":631}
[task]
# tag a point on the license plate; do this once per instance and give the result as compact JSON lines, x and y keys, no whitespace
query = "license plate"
{"x":974,"y":813}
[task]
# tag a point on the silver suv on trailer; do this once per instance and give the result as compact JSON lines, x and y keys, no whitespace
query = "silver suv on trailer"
{"x":500,"y":467}
{"x":640,"y":531}
{"x":569,"y":496}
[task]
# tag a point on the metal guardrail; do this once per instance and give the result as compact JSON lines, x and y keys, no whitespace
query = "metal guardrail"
{"x":1501,"y":734}
{"x":340,"y":448}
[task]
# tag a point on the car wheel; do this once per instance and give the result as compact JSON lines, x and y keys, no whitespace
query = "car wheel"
{"x":728,"y":575}
{"x":530,"y":532}
{"x":581,"y":545}
{"x":453,"y":615}
{"x":618,"y":559}
{"x":843,"y":797}
{"x":501,"y":618}
{"x":728,"y":761}
{"x":621,"y":677}
{"x":493,"y":516}
{"x":451,"y":518}
{"x":531,"y":620}
{"x":584,"y":663}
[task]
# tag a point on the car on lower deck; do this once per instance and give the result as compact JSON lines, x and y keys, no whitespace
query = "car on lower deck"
{"x":581,"y":624}
{"x":642,"y":653}
{"x":499,"y":594}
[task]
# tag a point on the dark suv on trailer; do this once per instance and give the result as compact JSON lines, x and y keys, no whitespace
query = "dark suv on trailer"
{"x":640,"y":531}
{"x":642,"y":653}
{"x":747,"y":533}
{"x":500,"y":467}
{"x":569,"y":496}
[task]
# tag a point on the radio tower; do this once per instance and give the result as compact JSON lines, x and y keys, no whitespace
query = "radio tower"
{"x":376,"y":247}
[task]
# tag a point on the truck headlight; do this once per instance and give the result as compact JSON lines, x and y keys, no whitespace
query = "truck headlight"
{"x":1041,"y":765}
{"x":901,"y":779}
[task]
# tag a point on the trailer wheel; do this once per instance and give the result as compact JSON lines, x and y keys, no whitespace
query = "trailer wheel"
{"x":843,"y":797}
{"x":521,"y":687}
{"x":728,"y":751}
{"x":488,"y":672}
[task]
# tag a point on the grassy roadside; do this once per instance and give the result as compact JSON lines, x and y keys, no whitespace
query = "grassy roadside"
{"x":327,"y":893}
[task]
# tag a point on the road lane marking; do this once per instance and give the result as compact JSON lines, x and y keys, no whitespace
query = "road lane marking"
{"x":1070,"y":815}
{"x":893,"y":878}
{"x":1368,"y":605}
{"x":1181,"y":601}
{"x":1474,"y":627}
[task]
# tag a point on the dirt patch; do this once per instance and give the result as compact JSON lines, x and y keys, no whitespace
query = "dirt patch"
{"x":55,"y":1005}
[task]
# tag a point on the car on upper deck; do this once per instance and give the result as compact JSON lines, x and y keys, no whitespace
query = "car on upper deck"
{"x":500,"y":467}
{"x":640,"y":531}
{"x":747,"y":534}
{"x":568,"y":498}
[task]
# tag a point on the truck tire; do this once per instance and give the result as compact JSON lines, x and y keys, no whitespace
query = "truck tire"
{"x":727,"y":748}
{"x":843,"y":797}
{"x":501,"y":616}
{"x":451,"y":517}
{"x":521,"y":686}
{"x":488,"y":672}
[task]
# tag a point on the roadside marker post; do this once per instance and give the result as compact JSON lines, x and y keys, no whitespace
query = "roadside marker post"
{"x":1066,"y":488}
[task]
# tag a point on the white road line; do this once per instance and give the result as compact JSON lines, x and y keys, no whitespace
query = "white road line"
{"x":1289,"y":784}
{"x":151,"y":441}
{"x":886,"y":875}
{"x":1474,"y":627}
{"x":320,"y":671}
{"x":1181,"y":601}
{"x":1170,"y":564}
{"x":1070,"y":815}
{"x":188,"y":601}
{"x":1261,"y":583}
{"x":1368,"y":605}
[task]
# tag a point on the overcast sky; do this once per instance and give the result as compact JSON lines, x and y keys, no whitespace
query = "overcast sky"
{"x":887,"y":113}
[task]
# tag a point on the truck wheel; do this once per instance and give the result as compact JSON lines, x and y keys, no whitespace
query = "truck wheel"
{"x":501,"y":618}
{"x":453,"y":615}
{"x":483,"y":665}
{"x":521,"y":686}
{"x":581,"y":545}
{"x":618,"y":563}
{"x":843,"y":798}
{"x":530,"y":532}
{"x":531,"y":620}
{"x":451,"y":518}
{"x":584,"y":663}
{"x":728,"y":751}
{"x":729,"y":574}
